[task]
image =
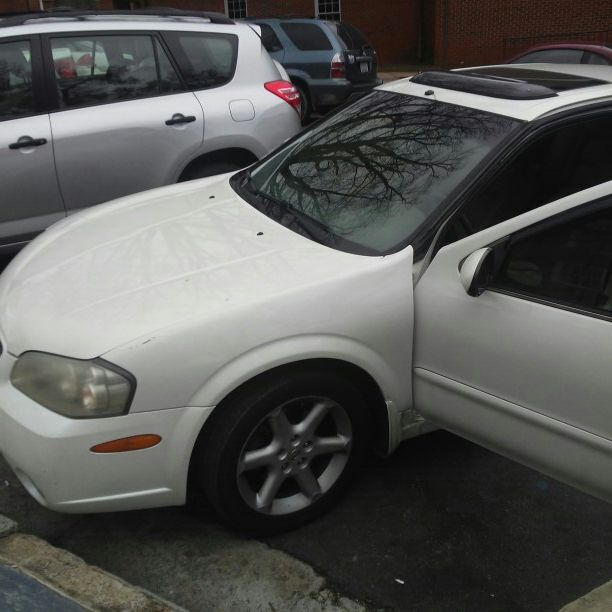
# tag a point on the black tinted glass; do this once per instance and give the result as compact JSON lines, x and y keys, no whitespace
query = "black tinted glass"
{"x":568,"y":160}
{"x":570,"y":264}
{"x":209,"y":60}
{"x":269,"y":38}
{"x":168,"y":78}
{"x":15,"y":80}
{"x":594,"y":58}
{"x":97,"y":70}
{"x":373,"y":173}
{"x":351,"y":36}
{"x":554,"y":56}
{"x":307,"y":36}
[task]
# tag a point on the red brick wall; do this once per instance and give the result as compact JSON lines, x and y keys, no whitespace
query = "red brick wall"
{"x":482,"y":31}
{"x":18,"y":6}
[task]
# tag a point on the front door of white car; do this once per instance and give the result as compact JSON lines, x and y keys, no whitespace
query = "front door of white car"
{"x":109,"y":141}
{"x":512,"y":339}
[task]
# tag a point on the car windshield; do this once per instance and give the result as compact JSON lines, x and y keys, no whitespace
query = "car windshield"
{"x":367,"y":178}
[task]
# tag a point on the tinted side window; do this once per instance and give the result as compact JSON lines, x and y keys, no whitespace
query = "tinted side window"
{"x":351,"y":36}
{"x":206,"y":59}
{"x":105,"y":69}
{"x":269,"y":38}
{"x":307,"y":36}
{"x":560,"y":163}
{"x":16,"y":97}
{"x":570,"y":263}
{"x":594,"y":58}
{"x":554,"y":56}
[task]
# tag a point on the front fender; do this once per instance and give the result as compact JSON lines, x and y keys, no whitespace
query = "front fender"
{"x":289,"y":350}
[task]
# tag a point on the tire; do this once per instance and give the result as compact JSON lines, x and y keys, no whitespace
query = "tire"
{"x":210,"y":169}
{"x":282,"y":451}
{"x":306,"y":108}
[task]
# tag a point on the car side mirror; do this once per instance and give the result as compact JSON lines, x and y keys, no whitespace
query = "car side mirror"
{"x":476,"y":271}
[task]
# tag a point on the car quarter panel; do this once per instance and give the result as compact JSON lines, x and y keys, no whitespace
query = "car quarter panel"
{"x":363,"y":317}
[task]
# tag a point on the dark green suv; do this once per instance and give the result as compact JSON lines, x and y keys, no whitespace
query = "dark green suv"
{"x":327,"y":61}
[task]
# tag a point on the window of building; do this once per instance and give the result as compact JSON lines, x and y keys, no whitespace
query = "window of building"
{"x":236,"y":9}
{"x":328,"y":9}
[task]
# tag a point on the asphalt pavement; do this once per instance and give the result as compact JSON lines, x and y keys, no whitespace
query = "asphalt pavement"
{"x":441,"y":525}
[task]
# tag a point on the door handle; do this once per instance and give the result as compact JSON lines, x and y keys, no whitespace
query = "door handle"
{"x":178,"y":118}
{"x":26,"y":141}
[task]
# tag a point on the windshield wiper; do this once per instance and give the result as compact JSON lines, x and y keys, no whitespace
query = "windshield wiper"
{"x":283,"y":213}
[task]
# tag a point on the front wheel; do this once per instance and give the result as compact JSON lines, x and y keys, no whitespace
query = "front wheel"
{"x":282,"y":451}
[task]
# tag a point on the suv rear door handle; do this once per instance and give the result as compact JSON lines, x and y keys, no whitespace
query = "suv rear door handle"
{"x":178,"y":118}
{"x":26,"y":141}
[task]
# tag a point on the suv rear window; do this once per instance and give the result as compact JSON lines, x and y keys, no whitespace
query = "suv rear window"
{"x":350,"y":36}
{"x":307,"y":36}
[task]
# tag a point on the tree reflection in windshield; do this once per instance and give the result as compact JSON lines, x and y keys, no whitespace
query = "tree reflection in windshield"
{"x":373,"y":172}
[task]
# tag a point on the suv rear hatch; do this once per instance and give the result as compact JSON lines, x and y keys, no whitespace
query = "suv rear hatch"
{"x":360,"y":60}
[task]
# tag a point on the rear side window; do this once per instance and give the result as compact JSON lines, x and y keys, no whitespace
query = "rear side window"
{"x":569,"y":264}
{"x":16,"y":97}
{"x":103,"y":69}
{"x":269,"y":39}
{"x":206,"y":59}
{"x":553,"y":56}
{"x":307,"y":36}
{"x":351,"y":37}
{"x":594,"y":58}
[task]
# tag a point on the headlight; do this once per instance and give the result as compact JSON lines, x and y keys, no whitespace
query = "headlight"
{"x":72,"y":387}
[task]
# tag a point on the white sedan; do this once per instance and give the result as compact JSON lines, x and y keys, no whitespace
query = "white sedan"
{"x":436,"y":254}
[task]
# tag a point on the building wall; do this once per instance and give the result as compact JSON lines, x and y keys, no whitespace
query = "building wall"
{"x":468,"y":32}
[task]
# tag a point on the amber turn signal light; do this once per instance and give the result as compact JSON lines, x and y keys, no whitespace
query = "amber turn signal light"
{"x":127,"y":444}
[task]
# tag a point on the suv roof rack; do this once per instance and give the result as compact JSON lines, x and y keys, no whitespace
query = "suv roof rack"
{"x":509,"y":82}
{"x":170,"y":13}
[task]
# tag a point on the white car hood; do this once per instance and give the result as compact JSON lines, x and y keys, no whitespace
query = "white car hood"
{"x":121,"y":270}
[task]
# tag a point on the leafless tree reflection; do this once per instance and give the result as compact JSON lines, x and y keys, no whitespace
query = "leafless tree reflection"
{"x":372,"y":163}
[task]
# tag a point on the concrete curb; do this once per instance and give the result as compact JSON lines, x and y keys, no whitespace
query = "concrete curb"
{"x":598,"y":600}
{"x":70,"y":576}
{"x":240,"y":574}
{"x":7,"y":526}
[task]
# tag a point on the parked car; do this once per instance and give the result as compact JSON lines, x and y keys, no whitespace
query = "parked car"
{"x":436,"y":254}
{"x":327,"y":61}
{"x":94,"y":106}
{"x":566,"y":53}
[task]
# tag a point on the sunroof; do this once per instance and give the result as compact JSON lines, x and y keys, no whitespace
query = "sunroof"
{"x":557,"y":81}
{"x":506,"y":82}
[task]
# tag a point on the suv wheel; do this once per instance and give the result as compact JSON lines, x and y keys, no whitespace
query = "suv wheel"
{"x":306,"y":108}
{"x":282,"y":451}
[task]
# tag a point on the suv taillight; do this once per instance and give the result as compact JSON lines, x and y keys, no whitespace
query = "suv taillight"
{"x":338,"y":69}
{"x":286,"y":91}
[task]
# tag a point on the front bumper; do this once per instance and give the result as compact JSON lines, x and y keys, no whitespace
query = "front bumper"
{"x":50,"y":454}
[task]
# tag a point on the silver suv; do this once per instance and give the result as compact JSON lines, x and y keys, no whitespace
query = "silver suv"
{"x":94,"y":106}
